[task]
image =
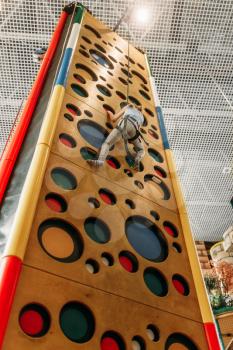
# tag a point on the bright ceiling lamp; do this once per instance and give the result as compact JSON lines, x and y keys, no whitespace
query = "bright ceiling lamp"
{"x":141,"y":15}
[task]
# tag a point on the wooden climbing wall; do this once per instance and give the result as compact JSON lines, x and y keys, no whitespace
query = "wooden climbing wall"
{"x":106,"y":265}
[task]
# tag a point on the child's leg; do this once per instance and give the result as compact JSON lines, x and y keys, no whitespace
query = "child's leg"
{"x":140,"y":152}
{"x":112,"y":138}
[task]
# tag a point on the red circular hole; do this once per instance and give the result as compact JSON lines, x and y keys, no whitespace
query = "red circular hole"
{"x":109,"y":344}
{"x":126,"y":263}
{"x":113,"y":162}
{"x":56,"y":202}
{"x":170,"y":229}
{"x":34,"y":320}
{"x":67,"y":140}
{"x":31,"y":322}
{"x":112,"y":341}
{"x":73,"y":109}
{"x":180,"y":284}
{"x":160,"y":172}
{"x":107,"y":196}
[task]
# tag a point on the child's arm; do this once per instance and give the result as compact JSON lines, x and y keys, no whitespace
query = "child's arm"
{"x":115,"y":117}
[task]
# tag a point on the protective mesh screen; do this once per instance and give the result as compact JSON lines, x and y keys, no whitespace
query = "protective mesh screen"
{"x":190,"y":46}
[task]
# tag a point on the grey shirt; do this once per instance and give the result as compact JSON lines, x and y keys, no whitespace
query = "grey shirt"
{"x":135,"y":113}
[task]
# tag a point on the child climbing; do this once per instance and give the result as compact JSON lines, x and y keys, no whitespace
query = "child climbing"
{"x":131,"y":119}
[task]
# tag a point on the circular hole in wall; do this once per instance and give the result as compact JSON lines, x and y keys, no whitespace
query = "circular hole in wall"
{"x":73,"y":109}
{"x":86,"y":39}
{"x":64,"y":178}
{"x":140,"y":76}
{"x":155,"y":155}
{"x":100,"y":48}
{"x":145,"y":87}
{"x":92,"y":266}
{"x":145,"y":95}
{"x":176,"y":247}
{"x":97,"y":230}
{"x":100,"y":98}
{"x":160,"y":172}
{"x":112,"y":341}
{"x":118,"y":49}
{"x":126,"y":72}
{"x":68,"y":117}
{"x":34,"y":320}
{"x":93,"y":202}
{"x":130,"y":59}
{"x":121,"y":95}
{"x":148,"y":111}
{"x":146,"y":238}
{"x":84,"y":53}
{"x":112,"y":58}
{"x":88,"y":72}
{"x":105,"y":91}
{"x":159,"y":184}
{"x":108,"y":108}
{"x":155,"y":215}
{"x":77,"y":322}
{"x":56,"y":202}
{"x":113,"y":162}
{"x":180,"y":284}
{"x":153,"y":134}
{"x":88,"y":153}
{"x":134,"y":100}
{"x":128,"y":172}
{"x":92,"y":132}
{"x":107,"y":196}
{"x":153,"y":332}
{"x":128,"y":261}
{"x":79,"y":78}
{"x":140,"y":66}
{"x":79,"y":90}
{"x":123,"y":81}
{"x":93,"y":31}
{"x":88,"y":113}
{"x":67,"y":140}
{"x":138,"y":343}
{"x":60,"y":240}
{"x":130,"y":203}
{"x":170,"y":229}
{"x":107,"y":259}
{"x":155,"y":282}
{"x":100,"y":58}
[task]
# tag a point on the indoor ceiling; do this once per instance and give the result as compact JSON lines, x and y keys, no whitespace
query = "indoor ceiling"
{"x":190,"y":46}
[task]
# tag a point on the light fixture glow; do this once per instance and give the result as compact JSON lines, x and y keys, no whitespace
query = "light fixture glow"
{"x":141,"y":15}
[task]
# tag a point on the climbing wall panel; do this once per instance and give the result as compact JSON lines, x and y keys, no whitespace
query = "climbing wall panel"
{"x":117,"y":323}
{"x":106,"y":265}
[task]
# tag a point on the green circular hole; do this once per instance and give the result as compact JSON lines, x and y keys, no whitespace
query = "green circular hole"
{"x":97,"y":230}
{"x":88,"y":153}
{"x":79,"y":90}
{"x":155,"y":155}
{"x":64,"y":178}
{"x":77,"y":322}
{"x":155,"y":281}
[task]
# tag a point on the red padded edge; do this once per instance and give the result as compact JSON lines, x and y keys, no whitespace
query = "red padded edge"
{"x":10,"y":269}
{"x":212,"y":337}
